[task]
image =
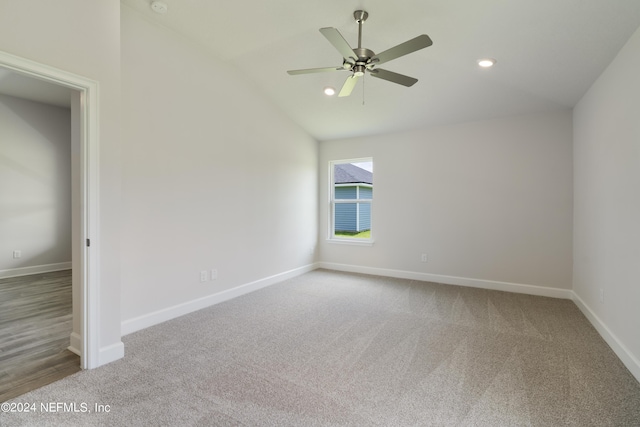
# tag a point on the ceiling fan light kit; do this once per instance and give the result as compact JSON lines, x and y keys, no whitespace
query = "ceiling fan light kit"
{"x":360,"y":60}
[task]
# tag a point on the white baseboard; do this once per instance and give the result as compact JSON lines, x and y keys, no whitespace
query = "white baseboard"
{"x":106,"y":354}
{"x":111,"y":353}
{"x":116,"y":351}
{"x":629,"y":360}
{"x":75,"y":345}
{"x":25,"y":271}
{"x":136,"y":324}
{"x":453,"y":280}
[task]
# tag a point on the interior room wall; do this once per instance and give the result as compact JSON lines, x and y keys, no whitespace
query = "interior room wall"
{"x":607,"y":203}
{"x":83,"y":37}
{"x":489,"y":202}
{"x":35,"y":186}
{"x":214,"y":177}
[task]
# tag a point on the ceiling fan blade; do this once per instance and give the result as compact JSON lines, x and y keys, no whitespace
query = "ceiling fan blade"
{"x":336,"y":39}
{"x":348,"y":85}
{"x":402,"y":49}
{"x":314,"y":70}
{"x":400,"y":79}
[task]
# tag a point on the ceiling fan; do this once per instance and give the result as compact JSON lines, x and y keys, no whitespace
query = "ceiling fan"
{"x":360,"y":60}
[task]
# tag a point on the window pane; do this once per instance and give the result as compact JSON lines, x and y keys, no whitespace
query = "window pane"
{"x":353,"y":173}
{"x":366,"y":193}
{"x":353,"y":220}
{"x":349,"y":193}
{"x":352,"y":181}
{"x":364,"y":219}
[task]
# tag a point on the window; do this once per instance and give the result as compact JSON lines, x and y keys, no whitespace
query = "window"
{"x":351,"y":196}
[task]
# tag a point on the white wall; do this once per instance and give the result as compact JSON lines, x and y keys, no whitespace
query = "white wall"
{"x":83,"y":37}
{"x":607,"y":202}
{"x":214,"y":177}
{"x":488,"y":200}
{"x":35,"y":185}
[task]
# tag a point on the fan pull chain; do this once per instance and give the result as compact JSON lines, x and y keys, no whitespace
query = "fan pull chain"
{"x":363,"y":88}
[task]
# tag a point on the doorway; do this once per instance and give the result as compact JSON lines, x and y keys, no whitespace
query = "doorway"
{"x":85,"y":242}
{"x":36,"y":317}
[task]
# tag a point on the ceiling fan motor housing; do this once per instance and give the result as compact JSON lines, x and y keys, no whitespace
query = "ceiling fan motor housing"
{"x":363,"y":62}
{"x":363,"y":54}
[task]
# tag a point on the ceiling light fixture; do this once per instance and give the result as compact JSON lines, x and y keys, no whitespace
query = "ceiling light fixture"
{"x":329,"y":91}
{"x":486,"y":62}
{"x":159,"y":7}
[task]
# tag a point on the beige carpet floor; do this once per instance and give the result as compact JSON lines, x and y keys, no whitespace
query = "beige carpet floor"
{"x":329,"y":348}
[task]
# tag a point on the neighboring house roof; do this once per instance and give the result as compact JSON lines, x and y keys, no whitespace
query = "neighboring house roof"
{"x":346,"y":173}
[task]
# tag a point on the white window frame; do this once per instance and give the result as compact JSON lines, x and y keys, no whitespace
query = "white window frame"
{"x":332,"y":201}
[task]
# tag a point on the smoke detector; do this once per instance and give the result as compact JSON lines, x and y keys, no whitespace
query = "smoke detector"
{"x":159,"y":7}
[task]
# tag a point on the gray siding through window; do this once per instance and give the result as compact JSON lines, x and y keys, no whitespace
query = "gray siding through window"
{"x":352,"y":217}
{"x":366,"y":192}
{"x":352,"y":183}
{"x":346,"y":217}
{"x":346,"y":192}
{"x":365,"y":216}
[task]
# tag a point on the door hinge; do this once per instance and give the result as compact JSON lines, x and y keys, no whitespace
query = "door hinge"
{"x":88,"y":242}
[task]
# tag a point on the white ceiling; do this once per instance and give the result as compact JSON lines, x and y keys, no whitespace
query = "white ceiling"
{"x":549,"y":52}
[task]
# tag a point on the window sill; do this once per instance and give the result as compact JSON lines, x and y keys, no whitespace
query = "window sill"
{"x":353,"y":242}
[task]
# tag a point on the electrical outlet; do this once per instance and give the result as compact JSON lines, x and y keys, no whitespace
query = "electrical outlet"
{"x":601,"y":296}
{"x":214,"y":274}
{"x":17,"y":254}
{"x":204,"y":276}
{"x":424,"y":258}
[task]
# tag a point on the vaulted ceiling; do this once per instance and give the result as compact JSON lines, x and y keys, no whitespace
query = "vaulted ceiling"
{"x":548,"y":54}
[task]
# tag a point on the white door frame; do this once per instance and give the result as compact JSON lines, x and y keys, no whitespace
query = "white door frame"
{"x":89,"y":192}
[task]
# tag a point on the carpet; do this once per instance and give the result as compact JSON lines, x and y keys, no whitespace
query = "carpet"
{"x":330,"y":348}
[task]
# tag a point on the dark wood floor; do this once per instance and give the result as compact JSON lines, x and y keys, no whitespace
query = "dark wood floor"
{"x":35,"y":325}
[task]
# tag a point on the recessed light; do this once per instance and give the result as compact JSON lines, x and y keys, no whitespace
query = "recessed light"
{"x":486,"y":62}
{"x":159,"y":7}
{"x":329,"y":91}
